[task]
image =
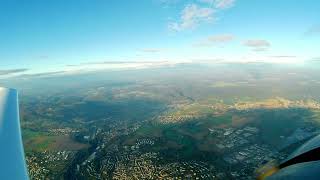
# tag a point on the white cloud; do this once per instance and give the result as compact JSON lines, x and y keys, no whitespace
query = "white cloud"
{"x":113,"y":65}
{"x":191,"y":16}
{"x":216,"y":39}
{"x":221,"y":38}
{"x":271,"y":59}
{"x":224,"y":4}
{"x":99,"y":66}
{"x":12,"y":71}
{"x":258,"y":44}
{"x":259,"y":49}
{"x":251,"y":58}
{"x":219,"y":4}
{"x":150,"y":50}
{"x":283,"y":56}
{"x":315,"y":30}
{"x":315,"y":59}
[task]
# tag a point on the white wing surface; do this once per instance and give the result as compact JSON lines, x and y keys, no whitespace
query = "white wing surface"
{"x":12,"y":159}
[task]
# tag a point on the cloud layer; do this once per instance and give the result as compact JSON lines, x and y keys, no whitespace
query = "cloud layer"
{"x":257,"y":44}
{"x":219,"y":4}
{"x":313,"y":31}
{"x":11,"y":71}
{"x":150,"y":50}
{"x":221,"y":38}
{"x":191,"y":16}
{"x":216,"y":39}
{"x":195,"y":14}
{"x":224,"y":4}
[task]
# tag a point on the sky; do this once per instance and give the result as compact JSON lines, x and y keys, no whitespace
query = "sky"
{"x":39,"y":36}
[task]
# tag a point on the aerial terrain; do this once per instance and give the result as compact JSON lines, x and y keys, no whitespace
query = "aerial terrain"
{"x":186,"y":121}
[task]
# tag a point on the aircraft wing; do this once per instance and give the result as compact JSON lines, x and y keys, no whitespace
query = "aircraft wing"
{"x":304,"y":163}
{"x":12,"y":159}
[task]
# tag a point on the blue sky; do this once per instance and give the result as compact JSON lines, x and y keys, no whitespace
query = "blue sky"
{"x":41,"y":36}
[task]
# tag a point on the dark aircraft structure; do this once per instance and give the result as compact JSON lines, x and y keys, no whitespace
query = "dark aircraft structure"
{"x":304,"y":163}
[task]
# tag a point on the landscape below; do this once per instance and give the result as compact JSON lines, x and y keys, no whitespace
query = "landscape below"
{"x":191,"y":121}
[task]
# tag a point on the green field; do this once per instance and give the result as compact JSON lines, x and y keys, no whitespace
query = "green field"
{"x":41,"y":141}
